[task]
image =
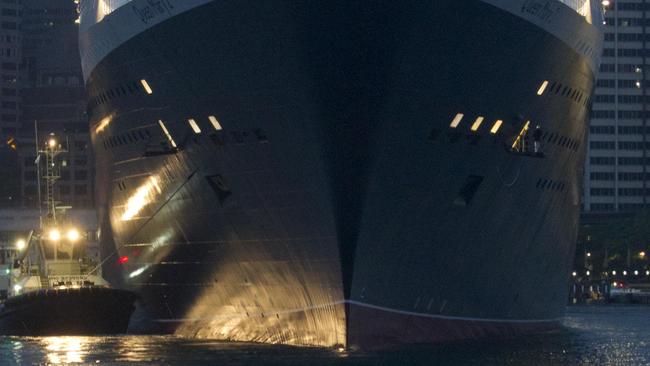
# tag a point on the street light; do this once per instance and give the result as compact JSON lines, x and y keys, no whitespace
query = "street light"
{"x":52,"y":143}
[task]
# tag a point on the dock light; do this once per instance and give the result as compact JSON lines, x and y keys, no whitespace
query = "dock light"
{"x":20,"y":245}
{"x":636,"y":273}
{"x":574,"y":274}
{"x":588,"y":254}
{"x":52,"y":143}
{"x":624,"y":273}
{"x":54,"y":235}
{"x":647,"y":273}
{"x":641,"y":255}
{"x":73,"y":235}
{"x":605,"y":3}
{"x":614,"y":284}
{"x":588,"y":273}
{"x":17,"y":288}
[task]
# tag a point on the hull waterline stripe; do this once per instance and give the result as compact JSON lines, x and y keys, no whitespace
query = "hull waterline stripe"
{"x":374,"y":307}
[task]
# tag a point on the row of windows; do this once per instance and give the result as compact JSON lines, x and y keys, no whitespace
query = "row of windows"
{"x":624,"y":84}
{"x":625,"y":192}
{"x":621,"y":206}
{"x":576,"y":95}
{"x":65,"y":175}
{"x":626,"y":22}
{"x":126,"y":138}
{"x":551,"y":185}
{"x":130,"y":87}
{"x":602,"y":160}
{"x":610,"y":114}
{"x":623,"y":99}
{"x":629,"y":68}
{"x":622,"y":176}
{"x":622,"y":130}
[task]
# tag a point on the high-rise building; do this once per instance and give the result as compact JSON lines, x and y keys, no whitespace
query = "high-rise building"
{"x":49,"y":94}
{"x":617,"y":175}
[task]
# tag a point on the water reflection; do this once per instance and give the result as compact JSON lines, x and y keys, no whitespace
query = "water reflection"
{"x":593,"y":336}
{"x":64,"y":350}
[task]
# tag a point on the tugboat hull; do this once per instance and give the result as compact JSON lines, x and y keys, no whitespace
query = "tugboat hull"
{"x":81,"y":311}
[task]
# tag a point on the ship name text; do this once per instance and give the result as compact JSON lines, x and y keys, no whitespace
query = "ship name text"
{"x":151,"y":9}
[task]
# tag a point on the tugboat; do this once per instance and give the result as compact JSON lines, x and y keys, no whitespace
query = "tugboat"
{"x":55,"y":287}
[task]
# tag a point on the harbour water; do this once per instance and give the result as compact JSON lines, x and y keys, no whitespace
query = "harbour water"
{"x":594,"y":335}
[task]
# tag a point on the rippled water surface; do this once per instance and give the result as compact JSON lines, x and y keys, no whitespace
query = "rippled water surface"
{"x":612,"y":335}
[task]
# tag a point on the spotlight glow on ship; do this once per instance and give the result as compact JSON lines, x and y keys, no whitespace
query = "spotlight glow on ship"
{"x":101,"y":126}
{"x":142,"y":197}
{"x":54,"y":235}
{"x":73,"y":235}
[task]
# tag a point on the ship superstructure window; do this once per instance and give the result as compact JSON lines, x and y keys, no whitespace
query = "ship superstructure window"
{"x":542,"y":88}
{"x":215,"y":123}
{"x":477,"y":124}
{"x":146,"y":86}
{"x":194,"y":125}
{"x":169,"y":137}
{"x":456,"y":121}
{"x":496,"y":127}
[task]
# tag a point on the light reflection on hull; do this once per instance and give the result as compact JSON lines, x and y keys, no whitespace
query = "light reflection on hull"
{"x":333,"y":178}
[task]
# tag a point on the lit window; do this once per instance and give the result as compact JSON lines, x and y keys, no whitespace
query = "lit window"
{"x":146,"y":86}
{"x":542,"y":88}
{"x":456,"y":120}
{"x":169,"y":137}
{"x":215,"y":123}
{"x":496,"y":127}
{"x":195,"y":127}
{"x":477,"y":124}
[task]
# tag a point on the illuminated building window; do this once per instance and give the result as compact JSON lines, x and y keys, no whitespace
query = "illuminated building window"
{"x":146,"y":86}
{"x":456,"y":121}
{"x":477,"y":124}
{"x":542,"y":88}
{"x":215,"y":123}
{"x":496,"y":127}
{"x":169,"y":137}
{"x":195,"y":127}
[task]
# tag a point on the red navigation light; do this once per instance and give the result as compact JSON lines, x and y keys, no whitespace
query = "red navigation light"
{"x":123,"y":260}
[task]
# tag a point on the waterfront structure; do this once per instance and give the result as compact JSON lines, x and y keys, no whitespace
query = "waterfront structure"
{"x":616,"y":174}
{"x":53,"y":97}
{"x":341,"y":173}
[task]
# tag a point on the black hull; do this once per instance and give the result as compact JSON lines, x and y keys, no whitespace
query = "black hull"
{"x":70,"y":312}
{"x":336,"y":179}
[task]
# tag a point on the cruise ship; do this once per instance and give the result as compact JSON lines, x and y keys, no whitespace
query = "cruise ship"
{"x":340,"y":173}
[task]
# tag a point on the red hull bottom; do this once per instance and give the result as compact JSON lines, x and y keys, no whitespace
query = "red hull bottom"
{"x":373,"y":328}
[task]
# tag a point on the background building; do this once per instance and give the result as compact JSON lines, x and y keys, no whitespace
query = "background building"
{"x":617,"y":180}
{"x":43,"y":86}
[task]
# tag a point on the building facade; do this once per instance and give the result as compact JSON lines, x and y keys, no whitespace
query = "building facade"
{"x":617,"y":176}
{"x":42,"y":86}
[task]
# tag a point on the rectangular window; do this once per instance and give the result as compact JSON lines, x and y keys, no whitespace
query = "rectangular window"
{"x":477,"y":124}
{"x":194,"y":125}
{"x":456,"y":121}
{"x":169,"y":137}
{"x":215,"y":123}
{"x":146,"y":86}
{"x":542,"y":88}
{"x":496,"y":127}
